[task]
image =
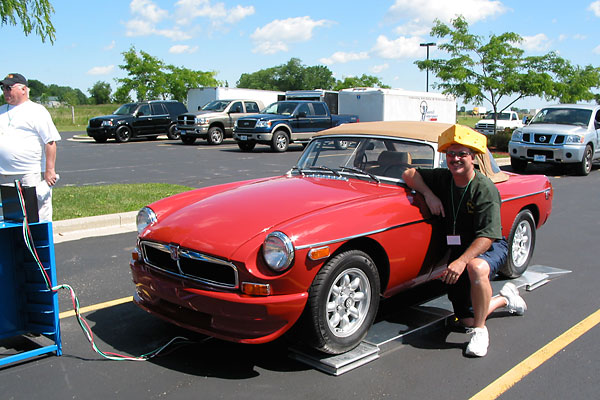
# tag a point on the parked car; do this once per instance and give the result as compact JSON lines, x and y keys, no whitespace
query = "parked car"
{"x":504,"y":120}
{"x":317,"y":247}
{"x":148,"y":119}
{"x":285,"y":122}
{"x":215,"y":120}
{"x":566,"y":134}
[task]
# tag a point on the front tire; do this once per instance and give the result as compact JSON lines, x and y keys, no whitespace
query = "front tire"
{"x":215,"y":135}
{"x":585,"y":166}
{"x":280,"y":142}
{"x":521,"y":243}
{"x":246,"y":146}
{"x":342,"y":303}
{"x":123,"y":134}
{"x":518,"y":165}
{"x":188,"y":139}
{"x":100,"y":139}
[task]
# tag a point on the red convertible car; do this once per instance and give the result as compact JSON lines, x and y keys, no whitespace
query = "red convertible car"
{"x":317,"y":247}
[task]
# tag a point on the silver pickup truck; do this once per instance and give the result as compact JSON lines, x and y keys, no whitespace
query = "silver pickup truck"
{"x":214,"y":121}
{"x":560,"y":134}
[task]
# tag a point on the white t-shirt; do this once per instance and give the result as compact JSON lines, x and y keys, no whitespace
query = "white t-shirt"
{"x":24,"y":131}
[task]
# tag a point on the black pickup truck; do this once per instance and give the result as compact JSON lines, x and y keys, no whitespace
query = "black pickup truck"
{"x":286,"y":122}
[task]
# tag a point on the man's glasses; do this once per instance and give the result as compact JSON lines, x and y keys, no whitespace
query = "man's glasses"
{"x":460,"y":154}
{"x":7,"y":88}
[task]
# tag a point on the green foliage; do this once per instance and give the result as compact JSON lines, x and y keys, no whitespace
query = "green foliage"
{"x":85,"y":201}
{"x":295,"y":76}
{"x":76,"y":119}
{"x":32,"y":15}
{"x":499,"y":141}
{"x":100,"y":93}
{"x":150,"y":78}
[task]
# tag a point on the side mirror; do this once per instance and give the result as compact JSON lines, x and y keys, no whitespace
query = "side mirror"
{"x":139,"y":114}
{"x":525,"y":120}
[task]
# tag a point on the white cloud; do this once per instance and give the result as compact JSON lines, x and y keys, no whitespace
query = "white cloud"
{"x":472,"y":10}
{"x":340,"y":57}
{"x":416,"y":27}
{"x":595,"y":8}
{"x":188,"y":10}
{"x":182,"y":48}
{"x":539,"y":42}
{"x":379,"y":68}
{"x":101,"y":70}
{"x":110,"y":46}
{"x":596,"y":50}
{"x":402,"y":47}
{"x":148,"y":10}
{"x":277,"y":35}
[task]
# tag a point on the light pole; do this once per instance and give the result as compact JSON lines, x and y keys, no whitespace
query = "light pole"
{"x":427,"y":45}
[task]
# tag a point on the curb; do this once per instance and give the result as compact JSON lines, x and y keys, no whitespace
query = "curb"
{"x":101,"y":225}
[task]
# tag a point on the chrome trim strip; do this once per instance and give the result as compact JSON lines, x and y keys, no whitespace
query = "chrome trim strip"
{"x":526,"y":195}
{"x":306,"y":246}
{"x":191,"y":255}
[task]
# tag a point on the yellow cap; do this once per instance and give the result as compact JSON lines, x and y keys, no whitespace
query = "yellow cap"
{"x":463,"y":135}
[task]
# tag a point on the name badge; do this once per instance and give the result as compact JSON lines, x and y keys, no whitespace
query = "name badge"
{"x":453,"y":240}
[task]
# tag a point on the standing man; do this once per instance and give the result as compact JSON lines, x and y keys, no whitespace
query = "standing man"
{"x":27,"y":142}
{"x":469,"y":204}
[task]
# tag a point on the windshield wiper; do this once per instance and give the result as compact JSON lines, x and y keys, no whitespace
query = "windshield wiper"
{"x":324,"y":168}
{"x":360,"y":171}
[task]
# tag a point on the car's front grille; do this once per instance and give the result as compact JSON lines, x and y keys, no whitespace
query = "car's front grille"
{"x":542,"y":138}
{"x":190,"y":264}
{"x":95,"y":123}
{"x":186,"y":119}
{"x":246,"y":123}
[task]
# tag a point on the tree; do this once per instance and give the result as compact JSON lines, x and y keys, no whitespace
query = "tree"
{"x":289,"y":76}
{"x":497,"y":71}
{"x":32,"y":15}
{"x":362,"y":81}
{"x":150,"y":78}
{"x":100,"y":93}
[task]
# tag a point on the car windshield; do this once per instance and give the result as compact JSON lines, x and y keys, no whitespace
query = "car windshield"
{"x":126,"y":109}
{"x":566,"y":116}
{"x":281,"y":108}
{"x":501,"y":116}
{"x":364,"y":157}
{"x":217,"y":105}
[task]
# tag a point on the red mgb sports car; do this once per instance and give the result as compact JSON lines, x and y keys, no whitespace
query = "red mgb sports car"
{"x":318,"y":246}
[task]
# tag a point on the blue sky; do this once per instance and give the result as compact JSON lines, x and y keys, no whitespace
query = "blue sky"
{"x":232,"y":37}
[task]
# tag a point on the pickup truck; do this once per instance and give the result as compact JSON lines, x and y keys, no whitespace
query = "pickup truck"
{"x":285,"y":122}
{"x":214,"y":121}
{"x":503,"y":121}
{"x":560,"y":134}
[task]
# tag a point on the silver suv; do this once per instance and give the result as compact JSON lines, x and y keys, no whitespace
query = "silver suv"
{"x":560,"y":134}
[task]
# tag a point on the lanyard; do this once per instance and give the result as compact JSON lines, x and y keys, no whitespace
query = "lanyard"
{"x":455,"y":210}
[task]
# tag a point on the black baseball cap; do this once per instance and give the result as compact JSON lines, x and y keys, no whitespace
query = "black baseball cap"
{"x":11,"y":79}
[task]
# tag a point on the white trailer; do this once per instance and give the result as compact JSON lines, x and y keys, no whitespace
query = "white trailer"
{"x":196,"y":98}
{"x":374,"y":104}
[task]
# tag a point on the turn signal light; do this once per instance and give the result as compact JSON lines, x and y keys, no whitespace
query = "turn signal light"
{"x":319,"y":253}
{"x":256,"y":289}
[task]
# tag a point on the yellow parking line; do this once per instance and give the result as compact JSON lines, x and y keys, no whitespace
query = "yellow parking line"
{"x":509,"y":379}
{"x":95,"y":307}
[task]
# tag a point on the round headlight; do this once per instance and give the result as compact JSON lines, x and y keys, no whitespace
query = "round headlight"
{"x":278,"y":251}
{"x":144,"y":218}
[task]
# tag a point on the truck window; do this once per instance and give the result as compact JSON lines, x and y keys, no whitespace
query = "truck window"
{"x":319,"y":109}
{"x":143,"y":110}
{"x":304,"y":109}
{"x":251,"y":107}
{"x":158,"y":109}
{"x":236,"y":107}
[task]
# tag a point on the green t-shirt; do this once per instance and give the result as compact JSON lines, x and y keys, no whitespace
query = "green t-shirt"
{"x":476,"y":208}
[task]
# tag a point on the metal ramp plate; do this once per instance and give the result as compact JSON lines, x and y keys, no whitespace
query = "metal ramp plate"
{"x":391,"y":333}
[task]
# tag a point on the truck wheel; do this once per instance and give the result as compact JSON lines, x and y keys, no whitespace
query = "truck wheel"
{"x":215,"y":135}
{"x":172,"y":132}
{"x":518,"y":165}
{"x":188,"y":139}
{"x":246,"y":146}
{"x":280,"y":142}
{"x":342,"y":303}
{"x":585,"y":166}
{"x":341,"y":144}
{"x":123,"y":134}
{"x":521,"y":243}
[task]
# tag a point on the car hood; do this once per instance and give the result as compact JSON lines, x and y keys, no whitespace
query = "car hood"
{"x":222,"y":221}
{"x":111,"y":116}
{"x":555,"y":128}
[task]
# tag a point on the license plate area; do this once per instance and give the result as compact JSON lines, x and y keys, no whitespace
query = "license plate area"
{"x":539,"y":158}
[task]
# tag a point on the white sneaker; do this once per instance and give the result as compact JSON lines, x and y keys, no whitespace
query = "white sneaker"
{"x":479,"y":342}
{"x":516,"y":304}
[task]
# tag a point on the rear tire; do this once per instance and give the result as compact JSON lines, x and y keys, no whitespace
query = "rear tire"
{"x":342,"y":303}
{"x":521,"y":243}
{"x":172,"y":132}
